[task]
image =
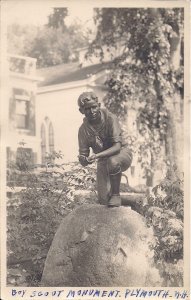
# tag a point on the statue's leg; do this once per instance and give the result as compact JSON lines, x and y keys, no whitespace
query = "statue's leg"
{"x":125,"y":159}
{"x":117,"y":164}
{"x":103,"y":182}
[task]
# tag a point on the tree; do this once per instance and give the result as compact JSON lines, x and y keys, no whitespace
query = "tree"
{"x":20,"y":39}
{"x":51,"y":47}
{"x":56,"y":19}
{"x":52,"y":44}
{"x":145,"y":74}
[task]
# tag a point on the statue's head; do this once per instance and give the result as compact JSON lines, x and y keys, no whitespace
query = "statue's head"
{"x":89,"y":105}
{"x":86,"y":100}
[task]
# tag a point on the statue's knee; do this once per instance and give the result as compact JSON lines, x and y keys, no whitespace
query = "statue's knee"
{"x":113,"y":165}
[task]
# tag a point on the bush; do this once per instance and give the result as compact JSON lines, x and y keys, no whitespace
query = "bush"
{"x":164,"y":212}
{"x":53,"y":191}
{"x":35,"y":212}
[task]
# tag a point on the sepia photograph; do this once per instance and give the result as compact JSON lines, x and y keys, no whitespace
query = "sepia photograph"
{"x":95,"y":147}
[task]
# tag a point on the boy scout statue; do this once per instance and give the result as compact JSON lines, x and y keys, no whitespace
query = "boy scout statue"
{"x":101,"y":131}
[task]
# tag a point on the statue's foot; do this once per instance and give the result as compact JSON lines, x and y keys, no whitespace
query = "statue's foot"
{"x":114,"y":201}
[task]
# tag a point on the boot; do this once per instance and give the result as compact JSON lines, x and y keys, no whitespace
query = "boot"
{"x":115,"y":199}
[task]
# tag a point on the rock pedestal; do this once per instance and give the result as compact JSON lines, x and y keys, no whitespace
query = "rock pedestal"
{"x":100,"y":246}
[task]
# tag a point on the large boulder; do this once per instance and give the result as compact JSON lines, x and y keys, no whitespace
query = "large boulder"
{"x":100,"y":246}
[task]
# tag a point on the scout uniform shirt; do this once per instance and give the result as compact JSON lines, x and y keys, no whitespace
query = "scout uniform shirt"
{"x":101,"y":137}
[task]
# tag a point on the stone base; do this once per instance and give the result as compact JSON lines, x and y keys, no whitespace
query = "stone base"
{"x":100,"y":246}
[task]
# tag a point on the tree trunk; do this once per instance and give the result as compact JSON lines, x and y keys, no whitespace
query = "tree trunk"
{"x":174,"y":139}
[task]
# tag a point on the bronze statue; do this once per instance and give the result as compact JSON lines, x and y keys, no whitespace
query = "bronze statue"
{"x":101,"y":132}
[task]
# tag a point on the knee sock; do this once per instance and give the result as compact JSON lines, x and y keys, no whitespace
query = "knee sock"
{"x":115,"y":181}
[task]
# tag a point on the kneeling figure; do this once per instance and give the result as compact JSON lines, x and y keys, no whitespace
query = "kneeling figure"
{"x":101,"y":132}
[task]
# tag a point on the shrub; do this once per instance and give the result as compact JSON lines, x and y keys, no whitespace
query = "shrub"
{"x":35,"y":212}
{"x":53,"y":191}
{"x":164,"y":212}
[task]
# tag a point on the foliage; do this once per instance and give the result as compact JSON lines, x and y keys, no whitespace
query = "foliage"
{"x":142,"y":76}
{"x":54,"y":190}
{"x":173,"y":199}
{"x":56,"y":19}
{"x":164,"y":213}
{"x":51,"y":44}
{"x":35,"y":212}
{"x":21,"y":39}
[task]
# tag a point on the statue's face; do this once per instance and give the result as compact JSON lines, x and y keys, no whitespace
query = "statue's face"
{"x":92,"y":112}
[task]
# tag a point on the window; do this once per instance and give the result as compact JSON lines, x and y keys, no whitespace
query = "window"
{"x":51,"y":138}
{"x":47,"y":141}
{"x":43,"y":144}
{"x":22,"y":101}
{"x":22,"y":114}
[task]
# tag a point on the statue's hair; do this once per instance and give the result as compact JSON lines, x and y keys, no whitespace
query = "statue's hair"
{"x":86,"y":97}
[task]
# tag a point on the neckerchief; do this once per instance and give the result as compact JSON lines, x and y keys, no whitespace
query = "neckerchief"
{"x":96,"y":131}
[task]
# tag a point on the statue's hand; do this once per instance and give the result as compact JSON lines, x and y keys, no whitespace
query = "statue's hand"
{"x":83,"y":160}
{"x":91,"y":158}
